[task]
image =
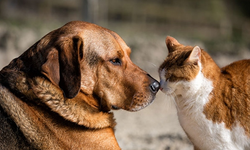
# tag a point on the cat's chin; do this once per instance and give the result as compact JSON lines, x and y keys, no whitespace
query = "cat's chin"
{"x":172,"y":93}
{"x":168,"y":91}
{"x":165,"y":91}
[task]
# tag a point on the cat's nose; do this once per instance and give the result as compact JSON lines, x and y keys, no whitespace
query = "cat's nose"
{"x":161,"y":84}
{"x":155,"y":86}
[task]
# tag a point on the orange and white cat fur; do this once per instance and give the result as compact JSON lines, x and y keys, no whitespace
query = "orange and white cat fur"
{"x":213,"y":104}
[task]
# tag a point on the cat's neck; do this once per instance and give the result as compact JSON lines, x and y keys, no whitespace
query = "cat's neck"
{"x":193,"y":95}
{"x":210,"y":69}
{"x":196,"y":93}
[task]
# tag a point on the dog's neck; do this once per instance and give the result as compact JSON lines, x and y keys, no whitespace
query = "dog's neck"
{"x":70,"y":124}
{"x":46,"y":130}
{"x":76,"y":110}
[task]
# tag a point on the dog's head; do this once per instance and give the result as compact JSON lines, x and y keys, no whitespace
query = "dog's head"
{"x":83,"y":57}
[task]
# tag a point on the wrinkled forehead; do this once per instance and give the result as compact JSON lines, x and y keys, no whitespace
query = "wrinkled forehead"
{"x":104,"y":42}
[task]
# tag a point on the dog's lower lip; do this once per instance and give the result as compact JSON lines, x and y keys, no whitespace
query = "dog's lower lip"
{"x":115,"y":107}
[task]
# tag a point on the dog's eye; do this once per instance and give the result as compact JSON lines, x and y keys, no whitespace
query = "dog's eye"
{"x":116,"y":61}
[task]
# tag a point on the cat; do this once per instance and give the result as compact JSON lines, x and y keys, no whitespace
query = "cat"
{"x":213,"y":104}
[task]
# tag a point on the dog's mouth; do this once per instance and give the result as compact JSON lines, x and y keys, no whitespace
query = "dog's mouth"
{"x":115,"y":107}
{"x":140,"y":106}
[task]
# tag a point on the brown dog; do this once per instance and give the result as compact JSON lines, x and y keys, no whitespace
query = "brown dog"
{"x":58,"y":94}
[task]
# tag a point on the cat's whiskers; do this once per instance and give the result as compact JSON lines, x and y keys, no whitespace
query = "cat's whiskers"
{"x":170,"y":100}
{"x":183,"y":98}
{"x":175,"y":98}
{"x":171,"y":93}
{"x":154,"y":65}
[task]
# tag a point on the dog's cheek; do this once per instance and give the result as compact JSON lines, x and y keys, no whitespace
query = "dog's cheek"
{"x":113,"y":94}
{"x":124,"y":95}
{"x":87,"y":87}
{"x":87,"y":82}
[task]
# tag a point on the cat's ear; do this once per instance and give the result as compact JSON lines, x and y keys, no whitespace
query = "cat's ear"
{"x":171,"y":43}
{"x":195,"y":55}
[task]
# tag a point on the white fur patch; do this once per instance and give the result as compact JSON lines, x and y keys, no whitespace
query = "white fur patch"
{"x":191,"y":98}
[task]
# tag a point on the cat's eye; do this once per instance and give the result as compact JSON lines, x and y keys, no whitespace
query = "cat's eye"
{"x":116,"y":61}
{"x":172,"y":78}
{"x":169,"y":78}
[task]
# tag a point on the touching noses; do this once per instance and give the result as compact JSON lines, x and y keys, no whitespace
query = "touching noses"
{"x":154,"y":85}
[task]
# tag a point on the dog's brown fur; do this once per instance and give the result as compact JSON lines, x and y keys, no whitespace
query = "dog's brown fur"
{"x":58,"y":94}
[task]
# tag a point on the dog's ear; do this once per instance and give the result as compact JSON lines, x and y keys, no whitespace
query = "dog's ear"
{"x":62,"y":66}
{"x":51,"y":67}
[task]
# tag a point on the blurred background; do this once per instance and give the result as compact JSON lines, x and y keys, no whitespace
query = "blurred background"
{"x":221,"y":27}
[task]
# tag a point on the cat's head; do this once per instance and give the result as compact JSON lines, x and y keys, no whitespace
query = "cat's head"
{"x":182,"y":65}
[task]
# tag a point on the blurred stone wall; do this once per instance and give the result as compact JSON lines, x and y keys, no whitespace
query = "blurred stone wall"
{"x":218,"y":26}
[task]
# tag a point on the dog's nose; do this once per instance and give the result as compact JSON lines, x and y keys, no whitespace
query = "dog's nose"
{"x":155,"y":86}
